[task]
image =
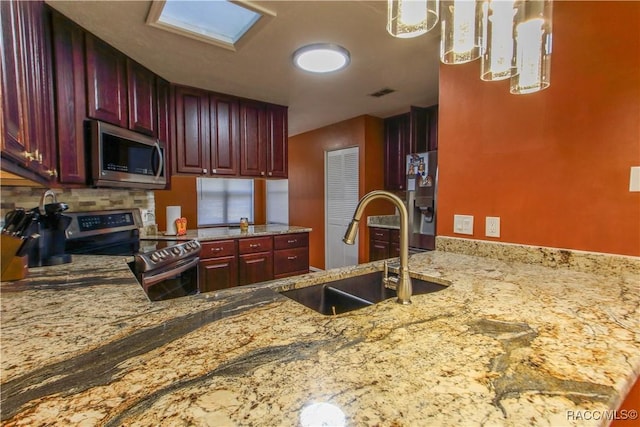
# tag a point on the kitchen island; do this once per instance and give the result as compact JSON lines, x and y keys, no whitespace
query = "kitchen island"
{"x":506,"y":343}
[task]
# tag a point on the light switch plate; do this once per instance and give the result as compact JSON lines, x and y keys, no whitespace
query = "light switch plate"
{"x":634,"y":179}
{"x":463,"y":224}
{"x":492,"y":226}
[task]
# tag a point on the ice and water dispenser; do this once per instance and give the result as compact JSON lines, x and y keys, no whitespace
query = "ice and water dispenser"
{"x":422,"y":174}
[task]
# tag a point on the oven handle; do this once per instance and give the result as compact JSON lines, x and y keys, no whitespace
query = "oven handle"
{"x":160,"y":160}
{"x":147,"y":282}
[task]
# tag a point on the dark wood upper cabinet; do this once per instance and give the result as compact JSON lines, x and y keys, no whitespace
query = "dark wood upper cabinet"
{"x":225,"y":140}
{"x":27,"y":107}
{"x":70,"y":100}
{"x":433,"y":128}
{"x":142,"y":99}
{"x":419,"y":135}
{"x":396,"y":142}
{"x":192,"y":131}
{"x":413,"y":132}
{"x":106,"y":82}
{"x":277,"y":141}
{"x":14,"y":143}
{"x":252,"y":139}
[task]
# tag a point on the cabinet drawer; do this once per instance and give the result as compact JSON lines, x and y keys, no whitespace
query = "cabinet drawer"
{"x":256,"y":244}
{"x":218,"y":249}
{"x":290,"y":260}
{"x":394,"y":236}
{"x":381,"y":234}
{"x":288,"y":241}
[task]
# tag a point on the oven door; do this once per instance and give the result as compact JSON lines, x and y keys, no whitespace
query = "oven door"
{"x":179,"y":281}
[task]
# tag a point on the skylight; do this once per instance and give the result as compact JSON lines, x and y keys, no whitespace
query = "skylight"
{"x":220,"y":22}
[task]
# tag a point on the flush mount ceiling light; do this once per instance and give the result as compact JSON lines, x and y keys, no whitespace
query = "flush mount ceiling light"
{"x":321,"y":58}
{"x":222,"y":23}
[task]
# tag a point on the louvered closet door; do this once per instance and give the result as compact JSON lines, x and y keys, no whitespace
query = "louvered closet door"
{"x":341,"y":182}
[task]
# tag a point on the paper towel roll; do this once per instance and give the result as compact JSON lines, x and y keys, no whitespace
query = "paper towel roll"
{"x":173,"y":213}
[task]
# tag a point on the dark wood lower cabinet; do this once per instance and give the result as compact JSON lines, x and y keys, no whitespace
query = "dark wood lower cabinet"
{"x":291,"y":255}
{"x":255,"y":268}
{"x":243,"y":261}
{"x":218,"y":265}
{"x":218,"y":273}
{"x":383,"y":243}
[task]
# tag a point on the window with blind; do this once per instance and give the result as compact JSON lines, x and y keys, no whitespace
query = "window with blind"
{"x":278,"y":201}
{"x":223,"y":201}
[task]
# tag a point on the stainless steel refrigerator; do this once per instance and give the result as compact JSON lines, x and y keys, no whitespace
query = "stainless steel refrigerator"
{"x":422,"y":188}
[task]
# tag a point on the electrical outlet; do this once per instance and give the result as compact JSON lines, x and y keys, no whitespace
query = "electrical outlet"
{"x":463,"y":224}
{"x":492,"y":226}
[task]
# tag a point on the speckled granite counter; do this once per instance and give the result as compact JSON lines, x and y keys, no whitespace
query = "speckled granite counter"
{"x":219,"y":233}
{"x":384,"y":221}
{"x":507,"y":343}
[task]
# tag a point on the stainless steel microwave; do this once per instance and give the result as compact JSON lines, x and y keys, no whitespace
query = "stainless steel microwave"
{"x":123,"y":158}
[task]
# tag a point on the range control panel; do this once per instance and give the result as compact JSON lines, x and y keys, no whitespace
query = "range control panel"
{"x":84,"y":224}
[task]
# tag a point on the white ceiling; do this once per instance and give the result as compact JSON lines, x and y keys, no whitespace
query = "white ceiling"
{"x":262,"y":69}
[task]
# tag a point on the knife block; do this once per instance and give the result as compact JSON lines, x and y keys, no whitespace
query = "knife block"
{"x":12,"y":267}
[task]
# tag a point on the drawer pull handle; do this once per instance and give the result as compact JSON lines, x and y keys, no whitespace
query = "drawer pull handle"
{"x":216,"y":249}
{"x":254,"y":245}
{"x":292,"y":241}
{"x":379,"y":234}
{"x":291,"y":258}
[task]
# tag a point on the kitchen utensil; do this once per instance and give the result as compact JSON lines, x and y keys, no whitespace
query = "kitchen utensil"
{"x":15,"y":217}
{"x":24,"y":223}
{"x":27,"y":244}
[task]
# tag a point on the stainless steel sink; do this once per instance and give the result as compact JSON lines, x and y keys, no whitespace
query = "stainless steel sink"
{"x":343,"y":295}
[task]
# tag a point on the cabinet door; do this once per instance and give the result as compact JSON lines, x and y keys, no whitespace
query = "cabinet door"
{"x":378,"y":250}
{"x":165,"y":129}
{"x":433,"y":127}
{"x":27,"y":110}
{"x":419,"y":135}
{"x":396,"y":134}
{"x":142,"y":99}
{"x":39,"y":87}
{"x":70,"y":100}
{"x":225,"y":140}
{"x":289,"y":262}
{"x":192,"y":131}
{"x":277,"y":141}
{"x":255,"y":268}
{"x":218,"y":273}
{"x":106,"y":82}
{"x":252,"y":139}
{"x":13,"y":84}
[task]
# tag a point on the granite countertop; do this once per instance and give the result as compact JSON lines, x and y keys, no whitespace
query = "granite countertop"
{"x":384,"y":221}
{"x":220,"y":233}
{"x":506,"y":343}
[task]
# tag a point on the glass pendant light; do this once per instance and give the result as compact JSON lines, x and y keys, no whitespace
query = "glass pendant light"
{"x":533,"y":41}
{"x":411,"y":18}
{"x":460,"y":22}
{"x":498,"y":20}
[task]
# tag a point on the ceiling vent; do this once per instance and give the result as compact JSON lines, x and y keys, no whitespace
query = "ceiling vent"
{"x":382,"y":92}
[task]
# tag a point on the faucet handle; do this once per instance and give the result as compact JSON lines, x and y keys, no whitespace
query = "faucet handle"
{"x":389,"y":282}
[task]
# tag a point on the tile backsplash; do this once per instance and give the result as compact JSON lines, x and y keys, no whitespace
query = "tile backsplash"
{"x":82,"y":199}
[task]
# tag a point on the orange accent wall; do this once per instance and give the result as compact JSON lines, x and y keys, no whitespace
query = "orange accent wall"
{"x":306,"y":177}
{"x":630,"y":403}
{"x":553,"y":165}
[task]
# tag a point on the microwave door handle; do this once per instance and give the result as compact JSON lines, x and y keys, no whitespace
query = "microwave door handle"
{"x":160,"y":159}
